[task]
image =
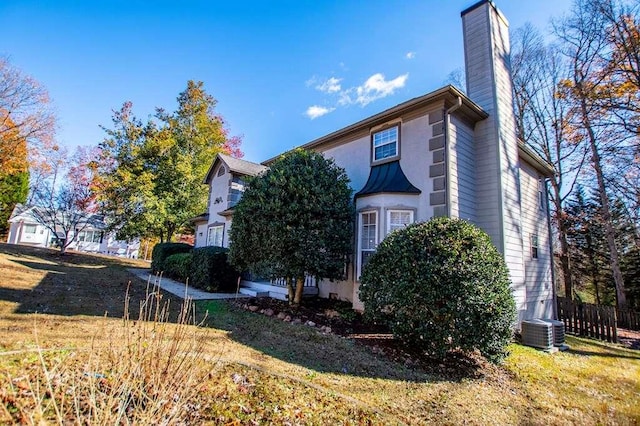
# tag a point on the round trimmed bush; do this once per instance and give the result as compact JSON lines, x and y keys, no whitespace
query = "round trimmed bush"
{"x":441,"y":285}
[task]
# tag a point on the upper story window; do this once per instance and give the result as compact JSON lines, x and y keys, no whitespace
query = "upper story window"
{"x":236,"y":189}
{"x":541,"y":194}
{"x":30,"y":229}
{"x":385,"y":144}
{"x":534,"y":246}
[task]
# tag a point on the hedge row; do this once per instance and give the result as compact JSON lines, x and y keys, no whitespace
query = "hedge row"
{"x":206,"y":268}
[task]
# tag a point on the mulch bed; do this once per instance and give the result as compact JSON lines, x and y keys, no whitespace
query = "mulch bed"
{"x":337,"y":317}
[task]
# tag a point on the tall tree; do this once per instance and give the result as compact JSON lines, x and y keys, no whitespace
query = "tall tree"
{"x":150,"y":174}
{"x":25,"y":112}
{"x":14,"y":176}
{"x":296,"y":219}
{"x":542,"y":118}
{"x":584,"y":43}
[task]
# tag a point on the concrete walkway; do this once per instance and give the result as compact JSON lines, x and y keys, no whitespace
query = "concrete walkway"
{"x":178,"y":288}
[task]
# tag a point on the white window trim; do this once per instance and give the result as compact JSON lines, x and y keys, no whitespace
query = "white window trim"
{"x":359,"y":236}
{"x":389,"y":211}
{"x":541,"y":194}
{"x":375,"y":160}
{"x":535,"y":238}
{"x":211,"y":230}
{"x":30,"y":226}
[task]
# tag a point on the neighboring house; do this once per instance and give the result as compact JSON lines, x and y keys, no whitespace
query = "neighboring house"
{"x":442,"y":154}
{"x":24,"y":229}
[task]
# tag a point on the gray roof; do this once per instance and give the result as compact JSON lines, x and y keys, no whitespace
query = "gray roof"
{"x":235,"y":165}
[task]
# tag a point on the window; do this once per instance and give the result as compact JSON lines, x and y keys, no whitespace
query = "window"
{"x":541,"y":194}
{"x":398,"y":219}
{"x":221,"y":171}
{"x":214,"y":235}
{"x":385,"y":144}
{"x":89,"y":236}
{"x":30,"y":229}
{"x":534,"y":246}
{"x":235,"y":191}
{"x":368,"y":237}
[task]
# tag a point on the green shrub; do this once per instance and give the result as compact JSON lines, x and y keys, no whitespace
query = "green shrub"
{"x":163,"y":250}
{"x":439,"y":286}
{"x":211,"y":271}
{"x":178,"y":266}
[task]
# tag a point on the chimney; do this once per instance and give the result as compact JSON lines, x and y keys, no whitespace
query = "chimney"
{"x":489,"y":84}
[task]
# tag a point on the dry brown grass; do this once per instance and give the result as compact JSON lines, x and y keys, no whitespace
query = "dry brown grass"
{"x":248,"y":368}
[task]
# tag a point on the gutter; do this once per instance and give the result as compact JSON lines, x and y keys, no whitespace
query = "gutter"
{"x":447,"y":140}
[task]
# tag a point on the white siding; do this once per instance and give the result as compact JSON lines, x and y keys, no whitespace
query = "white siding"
{"x":489,"y":84}
{"x":462,"y":170}
{"x":537,"y":271}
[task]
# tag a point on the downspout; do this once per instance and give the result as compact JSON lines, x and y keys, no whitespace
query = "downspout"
{"x":447,"y":185}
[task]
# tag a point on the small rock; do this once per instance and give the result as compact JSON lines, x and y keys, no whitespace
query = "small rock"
{"x":253,"y":308}
{"x":268,"y":312}
{"x":331,"y":313}
{"x":262,"y":311}
{"x":282,"y":315}
{"x":287,"y":318}
{"x":310,"y":323}
{"x":296,"y":321}
{"x":325,"y":329}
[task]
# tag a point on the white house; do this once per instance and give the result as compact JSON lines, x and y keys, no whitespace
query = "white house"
{"x":445,"y":153}
{"x":24,"y":229}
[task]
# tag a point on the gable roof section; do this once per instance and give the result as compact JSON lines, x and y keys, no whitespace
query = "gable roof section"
{"x":389,"y":178}
{"x":235,"y":165}
{"x":541,"y":165}
{"x":449,"y":94}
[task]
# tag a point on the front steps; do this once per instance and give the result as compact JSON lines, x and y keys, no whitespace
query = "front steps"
{"x":262,"y":289}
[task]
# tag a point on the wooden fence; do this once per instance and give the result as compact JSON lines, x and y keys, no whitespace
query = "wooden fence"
{"x":584,"y":319}
{"x":628,"y":319}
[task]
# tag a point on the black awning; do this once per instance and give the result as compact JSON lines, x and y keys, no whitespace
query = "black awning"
{"x":387,"y":177}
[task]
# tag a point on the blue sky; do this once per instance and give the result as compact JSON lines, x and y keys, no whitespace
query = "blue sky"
{"x":283,"y":72}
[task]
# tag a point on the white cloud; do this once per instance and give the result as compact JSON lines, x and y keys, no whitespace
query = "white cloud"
{"x":410,"y":55}
{"x":316,"y":111}
{"x":332,"y":85}
{"x":376,"y":87}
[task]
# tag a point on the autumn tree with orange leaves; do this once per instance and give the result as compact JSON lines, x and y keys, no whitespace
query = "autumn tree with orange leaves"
{"x":26,"y":123}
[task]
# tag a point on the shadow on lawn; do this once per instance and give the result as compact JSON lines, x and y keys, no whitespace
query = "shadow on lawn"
{"x":80,"y":284}
{"x":44,"y":281}
{"x":327,"y":353}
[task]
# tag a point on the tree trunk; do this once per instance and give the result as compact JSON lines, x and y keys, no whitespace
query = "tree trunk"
{"x":604,"y":199}
{"x":564,"y":257}
{"x":290,"y":293}
{"x":299,"y":287}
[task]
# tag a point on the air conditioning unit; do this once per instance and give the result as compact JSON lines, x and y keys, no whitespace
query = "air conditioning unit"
{"x":558,"y":331}
{"x":537,"y":333}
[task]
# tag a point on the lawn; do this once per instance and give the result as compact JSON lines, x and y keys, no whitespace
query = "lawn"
{"x":66,"y":353}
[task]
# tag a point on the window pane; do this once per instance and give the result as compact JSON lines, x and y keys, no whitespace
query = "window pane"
{"x":385,"y":143}
{"x":30,"y":229}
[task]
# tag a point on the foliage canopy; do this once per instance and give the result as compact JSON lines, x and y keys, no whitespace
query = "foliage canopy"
{"x":150,"y":174}
{"x":293,"y":220}
{"x":439,"y":286}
